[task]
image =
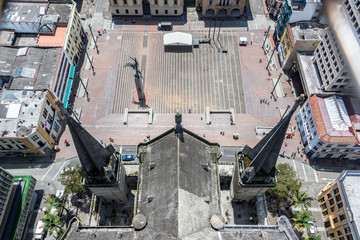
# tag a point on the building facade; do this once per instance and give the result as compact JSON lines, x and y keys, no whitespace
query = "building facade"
{"x":222,"y":8}
{"x":329,"y":127}
{"x":298,"y":10}
{"x":146,"y":7}
{"x":31,"y":124}
{"x":340,"y":208}
{"x":332,"y":65}
{"x":299,"y":37}
{"x":6,"y":182}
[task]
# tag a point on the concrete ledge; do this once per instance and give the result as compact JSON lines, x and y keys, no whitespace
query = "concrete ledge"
{"x":81,"y":89}
{"x":148,"y":111}
{"x":87,"y":63}
{"x":278,"y":89}
{"x":208,"y":113}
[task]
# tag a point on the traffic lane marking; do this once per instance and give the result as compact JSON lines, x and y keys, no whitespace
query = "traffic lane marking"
{"x":52,"y":165}
{"x":59,"y":171}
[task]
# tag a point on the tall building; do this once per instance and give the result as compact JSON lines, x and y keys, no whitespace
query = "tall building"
{"x":6,"y":182}
{"x":298,"y":37}
{"x":254,"y":170}
{"x":30,"y":122}
{"x":339,"y":202}
{"x":222,"y":8}
{"x":146,"y":7}
{"x":296,"y":11}
{"x":329,"y":126}
{"x":105,"y":174}
{"x":332,"y":66}
{"x":19,"y":206}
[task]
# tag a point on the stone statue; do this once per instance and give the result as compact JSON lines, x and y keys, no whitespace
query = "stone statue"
{"x":134,"y":66}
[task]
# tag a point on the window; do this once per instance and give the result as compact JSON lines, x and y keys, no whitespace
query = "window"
{"x":47,"y":102}
{"x":45,"y":112}
{"x":210,"y":2}
{"x":327,"y":224}
{"x":165,"y":2}
{"x":156,"y":11}
{"x":166,"y":11}
{"x":175,"y":11}
{"x":115,"y":2}
{"x":335,"y":220}
{"x":342,"y":217}
{"x":136,"y":11}
{"x":117,"y":11}
{"x":125,"y":2}
{"x":331,"y":202}
{"x":332,"y":209}
{"x":135,"y":2}
{"x":336,"y":190}
{"x":175,"y":2}
{"x":323,"y":206}
{"x":34,"y":138}
{"x":325,"y":213}
{"x":126,"y":11}
{"x":156,"y":3}
{"x":40,"y":143}
{"x":237,"y":2}
{"x":339,"y":233}
{"x":331,"y":235}
{"x":322,"y":199}
{"x":340,"y":205}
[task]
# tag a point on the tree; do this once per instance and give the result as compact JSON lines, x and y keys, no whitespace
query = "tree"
{"x":302,"y":199}
{"x":52,"y":222}
{"x":288,"y":183}
{"x":71,"y":179}
{"x":302,"y":219}
{"x":314,"y":237}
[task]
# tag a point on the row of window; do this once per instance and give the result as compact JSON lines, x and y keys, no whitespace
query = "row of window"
{"x":125,"y":2}
{"x":137,"y":12}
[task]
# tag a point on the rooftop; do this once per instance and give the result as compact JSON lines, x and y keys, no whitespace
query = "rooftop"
{"x":345,"y":115}
{"x":179,"y":184}
{"x":20,"y":112}
{"x":23,"y":11}
{"x":56,"y":40}
{"x":349,"y":181}
{"x":310,"y":77}
{"x":29,"y":67}
{"x":60,"y":9}
{"x":306,"y":31}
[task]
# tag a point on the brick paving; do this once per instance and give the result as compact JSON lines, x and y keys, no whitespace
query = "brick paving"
{"x":180,"y":80}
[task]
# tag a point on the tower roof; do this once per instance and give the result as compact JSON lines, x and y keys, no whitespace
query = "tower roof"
{"x":265,"y":154}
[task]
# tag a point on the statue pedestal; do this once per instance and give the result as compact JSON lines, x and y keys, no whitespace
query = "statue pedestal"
{"x":139,"y":83}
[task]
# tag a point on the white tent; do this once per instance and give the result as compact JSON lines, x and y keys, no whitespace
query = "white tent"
{"x":177,"y":39}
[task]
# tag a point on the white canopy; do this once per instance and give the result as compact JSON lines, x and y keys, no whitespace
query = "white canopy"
{"x":177,"y":39}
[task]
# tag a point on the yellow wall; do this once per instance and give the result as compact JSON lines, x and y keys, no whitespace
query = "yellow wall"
{"x":332,"y":208}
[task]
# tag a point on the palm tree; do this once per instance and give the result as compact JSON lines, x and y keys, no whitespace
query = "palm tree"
{"x":314,"y":237}
{"x":302,"y":199}
{"x":52,"y":223}
{"x":302,"y":219}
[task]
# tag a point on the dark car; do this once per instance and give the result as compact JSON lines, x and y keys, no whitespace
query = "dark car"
{"x":128,"y":157}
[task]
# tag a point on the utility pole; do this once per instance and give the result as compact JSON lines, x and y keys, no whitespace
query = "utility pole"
{"x":97,"y":50}
{"x":270,"y":60}
{"x":82,"y":83}
{"x":92,"y":66}
{"x":266,"y":36}
{"x":277,"y":81}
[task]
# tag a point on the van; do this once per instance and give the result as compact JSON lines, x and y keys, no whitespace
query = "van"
{"x":165,"y":26}
{"x":243,"y":41}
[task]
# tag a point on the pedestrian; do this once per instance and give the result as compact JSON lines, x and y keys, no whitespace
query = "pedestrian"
{"x":189,"y":110}
{"x":268,"y":103}
{"x":294,"y":127}
{"x":104,"y":31}
{"x":201,"y":118}
{"x":285,"y":94}
{"x":204,"y":135}
{"x":99,"y":32}
{"x":261,"y":100}
{"x":285,"y":144}
{"x":260,"y":61}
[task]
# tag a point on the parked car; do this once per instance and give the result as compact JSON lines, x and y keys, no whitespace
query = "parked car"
{"x":312,"y":229}
{"x":165,"y":26}
{"x":128,"y":157}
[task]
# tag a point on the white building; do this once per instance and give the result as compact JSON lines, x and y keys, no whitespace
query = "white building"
{"x":30,"y":122}
{"x":329,"y":126}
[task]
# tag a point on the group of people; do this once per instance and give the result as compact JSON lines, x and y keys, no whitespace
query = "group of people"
{"x":265,"y":101}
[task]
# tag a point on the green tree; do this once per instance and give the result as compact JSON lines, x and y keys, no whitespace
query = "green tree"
{"x":288,"y":183}
{"x":301,"y":198}
{"x":314,"y":237}
{"x":52,"y":223}
{"x":71,"y":179}
{"x":301,"y":220}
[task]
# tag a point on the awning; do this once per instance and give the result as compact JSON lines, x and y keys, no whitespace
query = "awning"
{"x":177,"y":39}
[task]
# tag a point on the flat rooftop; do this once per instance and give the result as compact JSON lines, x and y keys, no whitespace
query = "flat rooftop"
{"x":306,"y":31}
{"x":23,"y":11}
{"x":20,"y":112}
{"x":310,"y":78}
{"x":29,"y":67}
{"x":350,"y":181}
{"x":60,"y":9}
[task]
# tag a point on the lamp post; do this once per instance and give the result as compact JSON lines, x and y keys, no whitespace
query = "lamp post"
{"x":266,"y":36}
{"x":270,"y":60}
{"x":97,"y":50}
{"x":277,"y":81}
{"x":82,"y":83}
{"x":92,"y":66}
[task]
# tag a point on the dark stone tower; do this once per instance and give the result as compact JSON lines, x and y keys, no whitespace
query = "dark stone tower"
{"x":105,"y":175}
{"x":255,"y":170}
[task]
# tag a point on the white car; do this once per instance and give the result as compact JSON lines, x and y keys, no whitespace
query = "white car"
{"x":312,"y":229}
